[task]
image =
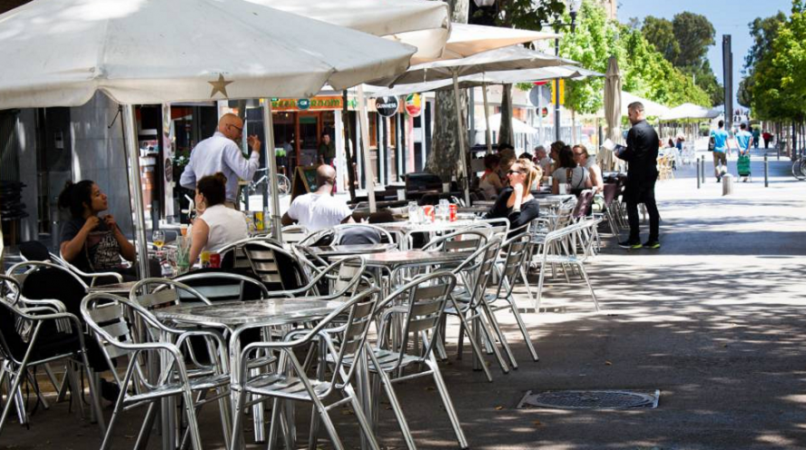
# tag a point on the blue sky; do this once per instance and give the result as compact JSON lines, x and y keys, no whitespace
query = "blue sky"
{"x":728,"y":16}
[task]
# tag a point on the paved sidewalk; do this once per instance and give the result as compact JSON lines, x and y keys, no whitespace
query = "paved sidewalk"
{"x":714,"y":320}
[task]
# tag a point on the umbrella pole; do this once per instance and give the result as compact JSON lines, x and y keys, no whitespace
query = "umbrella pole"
{"x":135,"y":191}
{"x":487,"y":133}
{"x":271,"y":162}
{"x":362,"y":116}
{"x":462,"y":151}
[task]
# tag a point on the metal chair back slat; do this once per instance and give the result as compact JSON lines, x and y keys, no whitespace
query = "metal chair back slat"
{"x":265,"y":262}
{"x":161,"y":298}
{"x":117,"y":329}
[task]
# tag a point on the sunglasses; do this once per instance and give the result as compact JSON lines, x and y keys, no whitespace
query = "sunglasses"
{"x":240,"y":130}
{"x":514,"y":171}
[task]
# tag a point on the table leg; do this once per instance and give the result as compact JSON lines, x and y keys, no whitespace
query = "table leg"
{"x":258,"y":414}
{"x":364,"y":395}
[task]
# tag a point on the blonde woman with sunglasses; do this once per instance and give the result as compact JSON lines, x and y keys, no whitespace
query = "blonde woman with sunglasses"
{"x":516,"y":202}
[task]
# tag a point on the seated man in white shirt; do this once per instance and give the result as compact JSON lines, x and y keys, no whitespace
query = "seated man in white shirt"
{"x":319,"y":210}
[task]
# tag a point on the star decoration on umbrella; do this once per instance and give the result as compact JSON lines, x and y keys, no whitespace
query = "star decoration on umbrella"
{"x":220,"y":86}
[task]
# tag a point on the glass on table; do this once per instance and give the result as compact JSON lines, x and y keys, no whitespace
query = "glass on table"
{"x":169,"y":263}
{"x":443,"y":210}
{"x":158,"y":237}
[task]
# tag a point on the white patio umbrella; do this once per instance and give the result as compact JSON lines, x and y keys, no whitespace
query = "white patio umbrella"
{"x":60,"y":52}
{"x":612,"y":110}
{"x":503,"y":59}
{"x":651,"y":109}
{"x":488,"y":78}
{"x":422,"y":23}
{"x":468,"y":40}
{"x":690,"y":111}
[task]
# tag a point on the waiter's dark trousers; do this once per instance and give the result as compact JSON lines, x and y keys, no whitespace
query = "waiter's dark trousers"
{"x":643,"y":193}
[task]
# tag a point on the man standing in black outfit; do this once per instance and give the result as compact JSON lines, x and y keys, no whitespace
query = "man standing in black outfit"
{"x":642,"y":155}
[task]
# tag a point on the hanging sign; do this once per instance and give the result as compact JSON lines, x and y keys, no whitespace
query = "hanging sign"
{"x":386,"y":106}
{"x":313,"y":104}
{"x":414,"y":105}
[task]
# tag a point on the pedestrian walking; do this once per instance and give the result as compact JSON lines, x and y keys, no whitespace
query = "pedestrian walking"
{"x":767,"y":139}
{"x":720,"y":147}
{"x":743,"y":140}
{"x":756,"y":136}
{"x":642,"y":155}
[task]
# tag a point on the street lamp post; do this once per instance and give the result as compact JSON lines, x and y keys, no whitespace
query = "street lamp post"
{"x":573,"y":10}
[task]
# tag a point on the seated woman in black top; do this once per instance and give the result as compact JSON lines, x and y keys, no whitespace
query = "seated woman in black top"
{"x":89,"y":242}
{"x":516,"y":202}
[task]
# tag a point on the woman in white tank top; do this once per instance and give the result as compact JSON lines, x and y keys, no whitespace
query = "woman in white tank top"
{"x":218,"y":225}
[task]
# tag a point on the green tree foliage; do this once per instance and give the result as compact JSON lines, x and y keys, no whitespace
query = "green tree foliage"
{"x":694,"y":34}
{"x":745,"y":98}
{"x":645,"y":71}
{"x":649,"y":75}
{"x":764,"y":31}
{"x":591,"y":44}
{"x":660,"y":32}
{"x":684,"y":42}
{"x":704,"y":77}
{"x":778,"y":89}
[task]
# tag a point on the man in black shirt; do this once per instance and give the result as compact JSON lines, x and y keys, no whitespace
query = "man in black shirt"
{"x":642,"y":155}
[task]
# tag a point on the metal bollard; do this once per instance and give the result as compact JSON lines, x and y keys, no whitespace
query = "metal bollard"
{"x":766,"y":172}
{"x":727,"y":184}
{"x":702,"y":169}
{"x":698,"y":173}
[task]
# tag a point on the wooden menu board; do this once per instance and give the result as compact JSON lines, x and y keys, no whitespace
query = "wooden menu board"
{"x":304,"y":181}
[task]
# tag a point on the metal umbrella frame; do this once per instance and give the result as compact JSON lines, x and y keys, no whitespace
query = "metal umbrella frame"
{"x":484,"y":79}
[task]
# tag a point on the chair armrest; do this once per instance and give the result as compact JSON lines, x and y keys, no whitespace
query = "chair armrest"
{"x":56,"y":305}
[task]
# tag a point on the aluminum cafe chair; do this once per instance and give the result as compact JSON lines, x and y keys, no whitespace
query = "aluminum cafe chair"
{"x":515,"y":251}
{"x":292,"y":234}
{"x":499,"y":227}
{"x":36,"y":251}
{"x":570,"y":246}
{"x":474,"y":277}
{"x":11,"y":292}
{"x":275,"y":266}
{"x":468,"y":304}
{"x":470,"y":239}
{"x":30,"y":337}
{"x":465,"y":240}
{"x":340,"y":232}
{"x":109,"y":317}
{"x":65,"y":285}
{"x":421,"y":305}
{"x":291,"y":383}
{"x":341,"y":278}
{"x":223,"y":286}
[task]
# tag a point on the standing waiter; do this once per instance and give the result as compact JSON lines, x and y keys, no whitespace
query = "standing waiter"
{"x":642,"y":155}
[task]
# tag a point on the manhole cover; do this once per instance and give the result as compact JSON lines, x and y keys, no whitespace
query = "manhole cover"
{"x":591,"y":399}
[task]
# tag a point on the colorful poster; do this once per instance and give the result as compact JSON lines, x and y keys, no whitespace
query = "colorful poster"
{"x":414,"y":105}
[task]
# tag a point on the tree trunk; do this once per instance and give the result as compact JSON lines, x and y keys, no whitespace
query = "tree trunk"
{"x":506,"y":135}
{"x":444,"y":158}
{"x":349,"y":145}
